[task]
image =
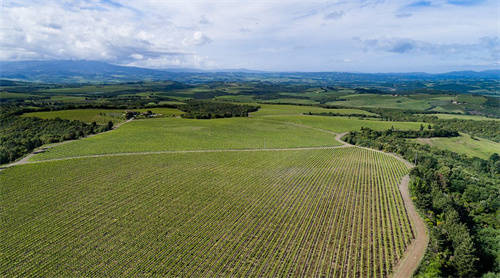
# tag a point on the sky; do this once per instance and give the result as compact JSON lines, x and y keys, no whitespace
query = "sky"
{"x":271,"y":35}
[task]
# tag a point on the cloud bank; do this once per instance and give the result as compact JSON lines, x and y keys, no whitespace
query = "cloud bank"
{"x":358,"y":35}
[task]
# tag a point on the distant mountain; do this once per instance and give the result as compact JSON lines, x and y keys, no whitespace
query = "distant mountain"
{"x":74,"y":71}
{"x":77,"y":71}
{"x":493,"y":74}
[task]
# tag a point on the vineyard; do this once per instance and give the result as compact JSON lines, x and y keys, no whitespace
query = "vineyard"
{"x":333,"y":212}
{"x":343,"y":124}
{"x":274,"y":109}
{"x":173,"y":134}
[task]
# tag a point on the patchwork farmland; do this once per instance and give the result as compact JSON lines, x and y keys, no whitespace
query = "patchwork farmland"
{"x":116,"y":172}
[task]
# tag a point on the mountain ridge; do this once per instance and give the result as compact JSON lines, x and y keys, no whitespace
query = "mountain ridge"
{"x":97,"y":71}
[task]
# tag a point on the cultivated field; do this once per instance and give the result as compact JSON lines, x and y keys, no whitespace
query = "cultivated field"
{"x":174,"y":134}
{"x":342,"y":124}
{"x":331,"y":212}
{"x":274,"y":194}
{"x":412,"y":102}
{"x":270,"y":109}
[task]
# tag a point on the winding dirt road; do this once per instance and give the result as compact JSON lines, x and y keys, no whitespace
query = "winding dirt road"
{"x":415,"y":252}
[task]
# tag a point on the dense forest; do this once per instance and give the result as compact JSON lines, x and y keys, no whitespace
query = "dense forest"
{"x":459,"y":198}
{"x":210,"y":109}
{"x":20,"y":135}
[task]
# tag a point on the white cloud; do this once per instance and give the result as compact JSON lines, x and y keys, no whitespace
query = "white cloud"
{"x":137,"y":56}
{"x":268,"y":35}
{"x":198,"y":38}
{"x":90,"y":30}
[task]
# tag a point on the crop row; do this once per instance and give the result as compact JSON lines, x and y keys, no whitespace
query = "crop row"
{"x":332,"y":212}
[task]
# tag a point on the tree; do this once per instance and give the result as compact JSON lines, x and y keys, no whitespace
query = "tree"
{"x":494,"y":157}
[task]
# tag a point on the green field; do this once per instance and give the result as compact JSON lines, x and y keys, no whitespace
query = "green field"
{"x":170,"y":102}
{"x":236,"y":98}
{"x":270,"y":109}
{"x":90,"y":89}
{"x":342,"y":124}
{"x":100,"y":116}
{"x":274,"y":194}
{"x":9,"y":95}
{"x":335,"y":212}
{"x":166,"y":134}
{"x":413,"y":102}
{"x":291,"y":101}
{"x":463,"y":117}
{"x":68,"y":99}
{"x":464,"y":144}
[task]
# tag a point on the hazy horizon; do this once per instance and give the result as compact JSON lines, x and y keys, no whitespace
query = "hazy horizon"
{"x":276,"y":36}
{"x":194,"y":69}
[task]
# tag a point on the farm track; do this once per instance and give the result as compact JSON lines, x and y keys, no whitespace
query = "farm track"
{"x":416,"y":250}
{"x":26,"y":161}
{"x":407,"y":262}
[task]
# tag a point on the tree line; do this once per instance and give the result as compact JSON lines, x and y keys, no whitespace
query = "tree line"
{"x":21,"y":135}
{"x":196,"y":109}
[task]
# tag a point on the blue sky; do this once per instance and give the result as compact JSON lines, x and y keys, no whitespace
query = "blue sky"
{"x":343,"y":35}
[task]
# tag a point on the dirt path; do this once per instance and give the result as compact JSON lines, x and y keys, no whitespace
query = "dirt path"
{"x":174,"y":152}
{"x":416,"y":250}
{"x":339,"y":136}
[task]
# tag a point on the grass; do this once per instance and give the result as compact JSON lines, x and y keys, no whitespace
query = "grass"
{"x":463,"y":117}
{"x":69,"y":99}
{"x":464,"y":144}
{"x":236,"y":98}
{"x":449,"y":108}
{"x":186,"y":134}
{"x":334,"y":212}
{"x":343,"y":124}
{"x":90,"y":89}
{"x":388,"y":101}
{"x":171,"y":102}
{"x":272,"y":109}
{"x":290,"y":100}
{"x":9,"y":95}
{"x":100,"y":116}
